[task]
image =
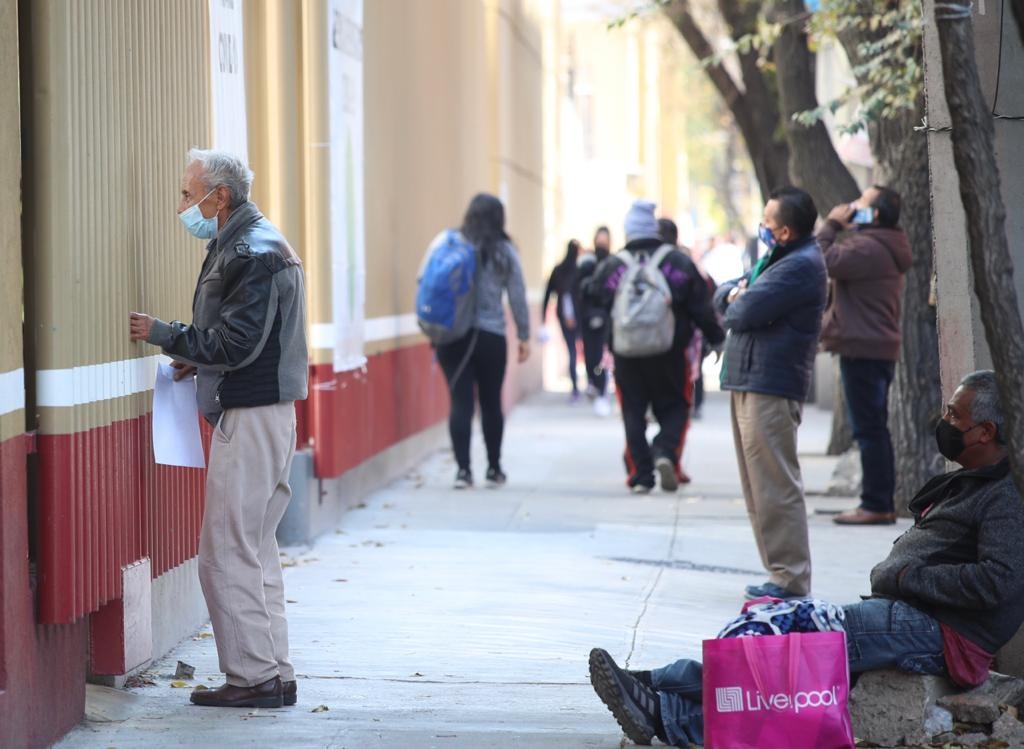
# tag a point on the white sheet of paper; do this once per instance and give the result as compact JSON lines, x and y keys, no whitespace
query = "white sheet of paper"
{"x":176,"y":440}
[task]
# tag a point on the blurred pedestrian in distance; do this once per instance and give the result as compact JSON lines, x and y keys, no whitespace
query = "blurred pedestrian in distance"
{"x":773,"y":315}
{"x":247,"y":346}
{"x":867,"y":255}
{"x":723,"y":261}
{"x":593,"y":320}
{"x":477,"y":361}
{"x":657,"y":297}
{"x":562,"y":284}
{"x":669,"y":233}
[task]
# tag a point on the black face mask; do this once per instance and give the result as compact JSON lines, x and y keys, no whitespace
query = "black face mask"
{"x":950,"y":440}
{"x":601,"y":252}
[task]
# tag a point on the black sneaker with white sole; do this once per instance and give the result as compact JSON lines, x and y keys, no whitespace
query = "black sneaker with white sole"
{"x":667,"y":473}
{"x":635,"y":706}
{"x":463,"y":479}
{"x":496,"y":477}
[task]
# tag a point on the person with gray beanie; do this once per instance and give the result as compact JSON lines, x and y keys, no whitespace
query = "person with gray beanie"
{"x":655,"y":381}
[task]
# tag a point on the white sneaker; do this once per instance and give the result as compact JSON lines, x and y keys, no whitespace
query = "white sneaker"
{"x":602,"y":406}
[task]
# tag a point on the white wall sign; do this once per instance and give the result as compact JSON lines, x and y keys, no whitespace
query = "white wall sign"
{"x":228,"y":77}
{"x":348,"y":244}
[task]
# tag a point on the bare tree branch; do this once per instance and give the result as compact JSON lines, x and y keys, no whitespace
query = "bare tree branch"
{"x":753,"y":107}
{"x":814,"y":163}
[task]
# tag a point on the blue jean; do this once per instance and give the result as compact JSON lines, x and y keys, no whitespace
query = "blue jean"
{"x":866,"y":387}
{"x":880,"y":633}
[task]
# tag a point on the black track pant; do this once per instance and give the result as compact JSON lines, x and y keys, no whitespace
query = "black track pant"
{"x":484,"y":369}
{"x":593,"y":351}
{"x":658,"y":382}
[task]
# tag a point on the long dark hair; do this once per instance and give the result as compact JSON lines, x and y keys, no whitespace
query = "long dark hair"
{"x":484,"y":226}
{"x":572,"y":253}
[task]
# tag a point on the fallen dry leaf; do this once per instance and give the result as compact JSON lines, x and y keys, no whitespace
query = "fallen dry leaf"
{"x":320,"y":709}
{"x":179,"y":685}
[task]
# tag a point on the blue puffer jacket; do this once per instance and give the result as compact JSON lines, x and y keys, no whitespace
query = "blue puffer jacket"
{"x":774,"y":326}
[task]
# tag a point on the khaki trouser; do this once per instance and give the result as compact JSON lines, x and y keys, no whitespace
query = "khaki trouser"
{"x":239,"y":567}
{"x":764,"y":429}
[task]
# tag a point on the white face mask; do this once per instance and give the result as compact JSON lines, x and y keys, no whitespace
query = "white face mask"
{"x":196,"y":223}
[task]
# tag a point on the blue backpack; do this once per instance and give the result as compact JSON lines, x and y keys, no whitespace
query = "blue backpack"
{"x":446,"y":295}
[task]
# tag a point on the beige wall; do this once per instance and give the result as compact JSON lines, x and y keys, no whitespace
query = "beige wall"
{"x":12,"y":423}
{"x":117,"y":99}
{"x":453,"y":105}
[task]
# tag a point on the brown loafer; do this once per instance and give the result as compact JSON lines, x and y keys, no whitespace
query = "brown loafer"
{"x":268,"y":694}
{"x":291,"y":693}
{"x":860,"y":516}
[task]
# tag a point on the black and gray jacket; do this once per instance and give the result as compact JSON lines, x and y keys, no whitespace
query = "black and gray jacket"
{"x":691,"y":302}
{"x":962,"y":559}
{"x":248,"y":331}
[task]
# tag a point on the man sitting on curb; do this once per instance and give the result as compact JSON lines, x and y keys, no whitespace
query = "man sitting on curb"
{"x":947,"y":597}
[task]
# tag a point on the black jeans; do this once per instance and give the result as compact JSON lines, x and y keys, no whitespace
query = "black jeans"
{"x":594,"y":340}
{"x":485,"y":369}
{"x":659,"y":382}
{"x":570,"y":343}
{"x":866,"y":386}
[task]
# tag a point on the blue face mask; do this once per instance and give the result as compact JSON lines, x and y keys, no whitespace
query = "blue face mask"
{"x":766,"y":236}
{"x":196,"y":223}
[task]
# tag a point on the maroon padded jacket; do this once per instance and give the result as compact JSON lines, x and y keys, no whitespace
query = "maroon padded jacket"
{"x":865,"y":269}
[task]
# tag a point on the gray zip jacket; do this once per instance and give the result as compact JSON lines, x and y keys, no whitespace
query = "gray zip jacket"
{"x":961,"y":561}
{"x":248,"y":331}
{"x":493,"y":280}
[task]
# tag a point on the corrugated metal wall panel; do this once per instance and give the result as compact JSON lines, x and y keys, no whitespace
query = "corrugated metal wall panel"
{"x":121,"y":92}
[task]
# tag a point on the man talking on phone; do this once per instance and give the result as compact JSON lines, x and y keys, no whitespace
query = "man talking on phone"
{"x":867,"y":255}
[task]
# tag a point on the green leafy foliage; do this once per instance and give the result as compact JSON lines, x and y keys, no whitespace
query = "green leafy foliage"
{"x":884,"y":38}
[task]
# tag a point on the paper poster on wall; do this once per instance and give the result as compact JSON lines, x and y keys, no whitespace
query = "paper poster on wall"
{"x":348,"y":256}
{"x":228,"y":77}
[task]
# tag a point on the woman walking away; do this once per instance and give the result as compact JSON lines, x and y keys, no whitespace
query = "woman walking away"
{"x":480,"y":357}
{"x":594,"y":326}
{"x":562,"y":283}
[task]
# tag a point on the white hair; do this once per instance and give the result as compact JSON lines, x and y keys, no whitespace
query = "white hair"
{"x":223,"y":168}
{"x":986,"y":405}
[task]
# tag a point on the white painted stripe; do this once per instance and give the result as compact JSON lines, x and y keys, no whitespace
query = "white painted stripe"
{"x":12,"y":391}
{"x":63,"y":388}
{"x":386,"y":328}
{"x":374,"y":329}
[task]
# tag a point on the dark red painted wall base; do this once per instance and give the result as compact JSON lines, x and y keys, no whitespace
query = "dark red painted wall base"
{"x":42,"y":668}
{"x":354,"y":415}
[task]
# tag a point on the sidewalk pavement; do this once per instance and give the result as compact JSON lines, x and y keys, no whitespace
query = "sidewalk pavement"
{"x":435,"y":618}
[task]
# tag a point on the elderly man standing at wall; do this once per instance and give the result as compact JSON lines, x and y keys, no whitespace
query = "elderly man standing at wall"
{"x":247,"y":346}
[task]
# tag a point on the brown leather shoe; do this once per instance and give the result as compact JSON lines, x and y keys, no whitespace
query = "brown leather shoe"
{"x":291,"y":693}
{"x":268,"y":694}
{"x":860,"y":516}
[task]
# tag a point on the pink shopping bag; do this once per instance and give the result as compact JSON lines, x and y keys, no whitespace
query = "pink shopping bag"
{"x":777,"y":692}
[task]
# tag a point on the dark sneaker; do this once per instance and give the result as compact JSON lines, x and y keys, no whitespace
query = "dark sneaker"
{"x":771,"y":590}
{"x":291,"y":693}
{"x":463,"y":479}
{"x":636,"y":707}
{"x":496,"y":477}
{"x":644,"y":677}
{"x":667,"y":472}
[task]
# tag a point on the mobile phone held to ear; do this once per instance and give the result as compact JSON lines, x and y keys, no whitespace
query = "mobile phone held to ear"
{"x":863,"y":216}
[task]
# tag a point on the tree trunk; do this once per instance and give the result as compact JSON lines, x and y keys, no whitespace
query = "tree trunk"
{"x":916,"y":395}
{"x":754,"y":107}
{"x":841,"y":438}
{"x":973,"y":138}
{"x":814,"y":164}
